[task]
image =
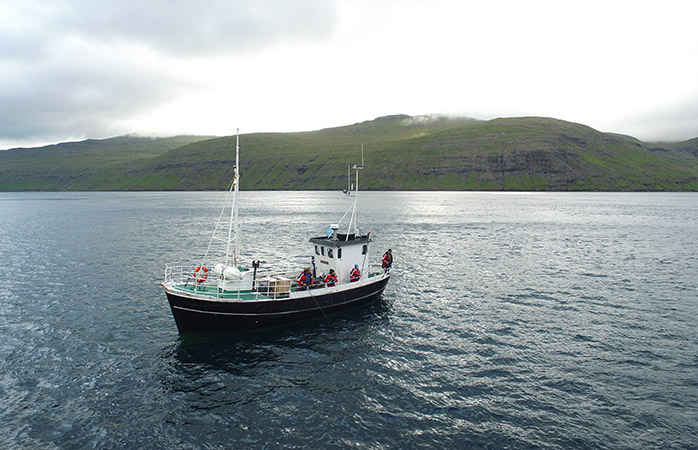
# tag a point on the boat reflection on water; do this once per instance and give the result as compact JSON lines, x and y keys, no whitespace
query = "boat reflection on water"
{"x":245,"y":354}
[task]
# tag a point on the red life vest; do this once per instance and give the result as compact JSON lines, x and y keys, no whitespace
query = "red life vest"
{"x":331,"y":279}
{"x":355,"y":275}
{"x":305,"y":279}
{"x":387,"y":260}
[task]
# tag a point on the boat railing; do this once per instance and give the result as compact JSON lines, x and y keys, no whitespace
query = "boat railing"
{"x":216,"y":285}
{"x":265,"y":283}
{"x":190,"y":273}
{"x":180,"y":273}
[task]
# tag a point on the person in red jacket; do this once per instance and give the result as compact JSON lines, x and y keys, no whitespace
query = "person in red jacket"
{"x":387,"y":260}
{"x":355,"y":273}
{"x":331,"y":279}
{"x":305,"y":279}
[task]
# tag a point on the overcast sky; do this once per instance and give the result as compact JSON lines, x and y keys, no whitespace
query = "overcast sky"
{"x":76,"y":69}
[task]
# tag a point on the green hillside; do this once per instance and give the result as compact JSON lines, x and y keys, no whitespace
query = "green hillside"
{"x":400,"y":153}
{"x":85,"y":165}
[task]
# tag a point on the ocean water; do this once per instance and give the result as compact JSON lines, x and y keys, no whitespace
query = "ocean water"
{"x":512,"y":320}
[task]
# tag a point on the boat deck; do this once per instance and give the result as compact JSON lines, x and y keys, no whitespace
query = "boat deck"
{"x":216,"y":292}
{"x":211,"y":289}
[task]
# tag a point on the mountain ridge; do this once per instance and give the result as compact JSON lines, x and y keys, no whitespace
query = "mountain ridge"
{"x":401,"y":152}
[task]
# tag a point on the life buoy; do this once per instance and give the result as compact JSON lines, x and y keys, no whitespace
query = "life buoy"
{"x":202,"y":278}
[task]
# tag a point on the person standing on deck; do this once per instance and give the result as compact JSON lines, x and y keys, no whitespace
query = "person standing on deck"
{"x":305,"y":279}
{"x":387,"y":260}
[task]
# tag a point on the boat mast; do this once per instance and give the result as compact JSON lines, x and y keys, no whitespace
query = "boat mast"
{"x":355,"y":214}
{"x":233,"y":225}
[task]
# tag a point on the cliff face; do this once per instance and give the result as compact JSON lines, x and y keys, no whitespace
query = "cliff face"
{"x":400,"y":153}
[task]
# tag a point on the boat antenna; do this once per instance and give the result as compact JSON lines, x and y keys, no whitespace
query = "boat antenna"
{"x":233,"y":225}
{"x":355,"y":213}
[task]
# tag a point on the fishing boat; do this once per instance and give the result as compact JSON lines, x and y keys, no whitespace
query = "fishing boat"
{"x":232,"y":296}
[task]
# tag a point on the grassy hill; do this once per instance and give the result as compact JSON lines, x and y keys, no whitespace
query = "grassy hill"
{"x":400,"y":153}
{"x":86,"y":165}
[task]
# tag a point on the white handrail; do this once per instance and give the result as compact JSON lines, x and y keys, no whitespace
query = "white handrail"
{"x":181,"y":277}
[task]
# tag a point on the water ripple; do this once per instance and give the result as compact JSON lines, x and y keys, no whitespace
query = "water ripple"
{"x":550,"y":321}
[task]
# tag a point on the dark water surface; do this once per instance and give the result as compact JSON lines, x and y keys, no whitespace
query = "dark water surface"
{"x":511,"y":321}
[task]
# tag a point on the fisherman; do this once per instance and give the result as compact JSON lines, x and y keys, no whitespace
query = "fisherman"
{"x":355,"y":273}
{"x":387,"y":260}
{"x":331,"y":279}
{"x":305,"y":279}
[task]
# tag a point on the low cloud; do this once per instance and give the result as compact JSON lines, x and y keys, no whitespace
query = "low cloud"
{"x":186,"y":28}
{"x":83,"y":68}
{"x":97,"y":68}
{"x":669,"y":122}
{"x":52,"y":99}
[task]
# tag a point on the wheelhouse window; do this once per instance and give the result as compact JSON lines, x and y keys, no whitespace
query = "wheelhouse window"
{"x":330,"y":253}
{"x":317,"y":252}
{"x":339,"y":253}
{"x":322,"y":250}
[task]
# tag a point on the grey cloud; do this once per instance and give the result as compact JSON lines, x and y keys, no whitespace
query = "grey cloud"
{"x":675,"y":122}
{"x":186,"y":28}
{"x":82,"y":98}
{"x":66,"y":69}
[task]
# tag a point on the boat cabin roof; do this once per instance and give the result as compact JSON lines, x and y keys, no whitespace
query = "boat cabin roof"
{"x":341,"y":240}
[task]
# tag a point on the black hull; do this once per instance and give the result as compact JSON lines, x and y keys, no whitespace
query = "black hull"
{"x":197,"y":316}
